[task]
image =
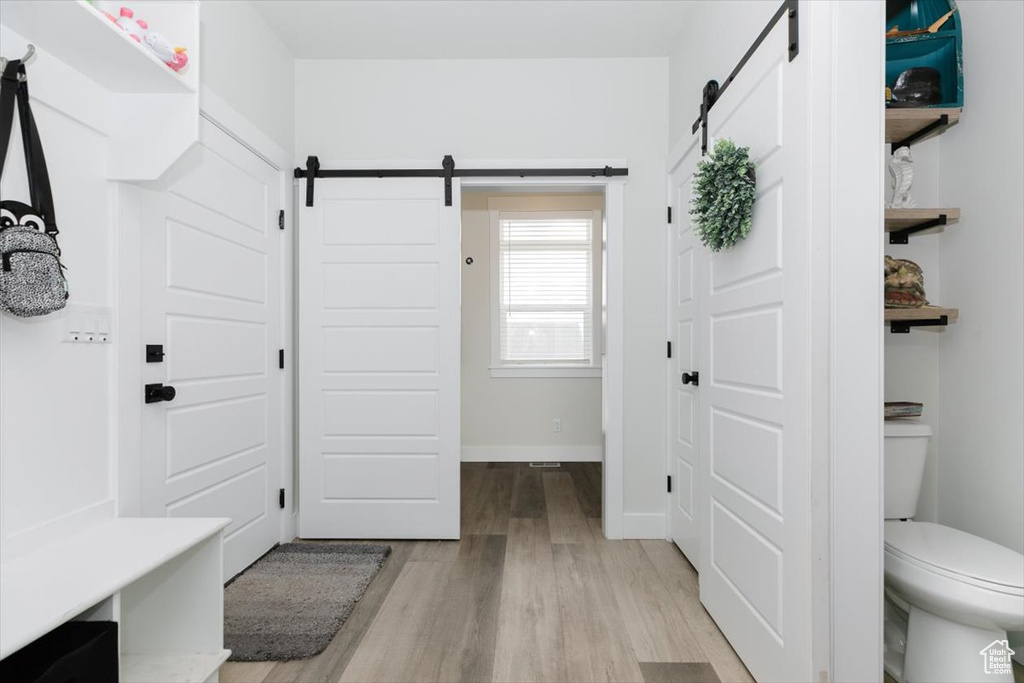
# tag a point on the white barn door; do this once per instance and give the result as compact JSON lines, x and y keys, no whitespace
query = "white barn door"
{"x":211,"y":297}
{"x":379,"y":349}
{"x":684,"y":397}
{"x":754,"y":322}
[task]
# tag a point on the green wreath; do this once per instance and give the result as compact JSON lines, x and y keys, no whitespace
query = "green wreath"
{"x":723,"y":196}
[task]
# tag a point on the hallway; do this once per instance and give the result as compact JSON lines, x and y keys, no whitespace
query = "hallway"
{"x":532,"y":592}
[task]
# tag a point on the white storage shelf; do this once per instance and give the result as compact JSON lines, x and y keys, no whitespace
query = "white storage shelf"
{"x":79,"y":34}
{"x":160,"y":579}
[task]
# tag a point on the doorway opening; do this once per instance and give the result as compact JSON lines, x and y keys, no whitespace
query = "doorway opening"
{"x":533,"y":295}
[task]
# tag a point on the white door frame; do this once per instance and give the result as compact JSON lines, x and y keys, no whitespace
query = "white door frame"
{"x":612,"y":368}
{"x":128,"y":330}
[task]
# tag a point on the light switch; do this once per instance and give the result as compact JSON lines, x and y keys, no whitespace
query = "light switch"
{"x":84,"y":324}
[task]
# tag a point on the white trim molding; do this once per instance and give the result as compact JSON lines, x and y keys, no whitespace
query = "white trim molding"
{"x":644,"y":525}
{"x":532,"y":454}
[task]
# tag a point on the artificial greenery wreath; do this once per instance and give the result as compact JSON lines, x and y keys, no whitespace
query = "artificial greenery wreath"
{"x":723,"y":196}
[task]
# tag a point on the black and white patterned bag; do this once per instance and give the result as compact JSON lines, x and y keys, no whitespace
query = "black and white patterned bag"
{"x":32,"y":279}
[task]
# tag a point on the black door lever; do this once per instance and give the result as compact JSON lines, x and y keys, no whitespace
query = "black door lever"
{"x":691,"y":378}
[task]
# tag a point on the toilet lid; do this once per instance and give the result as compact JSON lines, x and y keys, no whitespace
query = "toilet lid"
{"x":956,"y":551}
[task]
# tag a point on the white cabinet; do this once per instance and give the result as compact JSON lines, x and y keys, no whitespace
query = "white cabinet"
{"x":160,"y":579}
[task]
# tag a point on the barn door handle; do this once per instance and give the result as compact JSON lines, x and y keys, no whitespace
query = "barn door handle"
{"x":155,"y":393}
{"x":691,"y":378}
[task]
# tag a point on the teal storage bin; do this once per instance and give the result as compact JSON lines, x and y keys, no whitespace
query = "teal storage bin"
{"x":942,"y":51}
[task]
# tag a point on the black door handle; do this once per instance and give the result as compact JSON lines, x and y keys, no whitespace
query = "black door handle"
{"x":155,"y":393}
{"x":691,"y":378}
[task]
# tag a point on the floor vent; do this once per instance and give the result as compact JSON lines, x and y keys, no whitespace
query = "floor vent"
{"x":545,"y":464}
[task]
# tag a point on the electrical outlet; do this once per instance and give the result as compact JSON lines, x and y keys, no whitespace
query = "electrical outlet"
{"x":557,"y":425}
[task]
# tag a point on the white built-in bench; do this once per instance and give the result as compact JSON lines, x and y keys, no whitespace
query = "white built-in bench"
{"x":160,"y":579}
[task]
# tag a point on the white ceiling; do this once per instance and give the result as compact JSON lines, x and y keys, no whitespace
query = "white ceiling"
{"x":474,"y":29}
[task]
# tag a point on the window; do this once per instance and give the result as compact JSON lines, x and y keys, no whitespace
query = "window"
{"x":543,"y":300}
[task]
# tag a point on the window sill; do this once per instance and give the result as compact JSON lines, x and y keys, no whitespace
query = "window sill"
{"x":544,"y":372}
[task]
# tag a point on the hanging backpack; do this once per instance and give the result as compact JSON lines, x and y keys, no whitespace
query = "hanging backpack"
{"x":32,"y":279}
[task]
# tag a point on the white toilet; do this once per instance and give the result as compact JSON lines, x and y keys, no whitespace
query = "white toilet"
{"x":957,"y":593}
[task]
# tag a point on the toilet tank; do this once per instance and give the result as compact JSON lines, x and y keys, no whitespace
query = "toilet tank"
{"x":906,"y":447}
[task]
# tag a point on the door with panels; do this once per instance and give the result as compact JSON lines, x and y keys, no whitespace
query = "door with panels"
{"x":211,"y":299}
{"x":379,"y":347}
{"x":685,"y":258}
{"x":755,"y":331}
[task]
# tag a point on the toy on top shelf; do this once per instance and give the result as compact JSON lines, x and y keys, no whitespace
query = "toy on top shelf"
{"x":174,"y":57}
{"x":135,"y":28}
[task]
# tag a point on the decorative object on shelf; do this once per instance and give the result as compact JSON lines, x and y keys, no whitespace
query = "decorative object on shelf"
{"x":135,"y":28}
{"x":174,"y":57}
{"x":917,"y":87}
{"x":723,"y":196}
{"x":896,"y":409}
{"x":171,"y":55}
{"x":924,"y":53}
{"x":32,"y":279}
{"x":904,"y":284}
{"x":895,"y":31}
{"x":901,"y":177}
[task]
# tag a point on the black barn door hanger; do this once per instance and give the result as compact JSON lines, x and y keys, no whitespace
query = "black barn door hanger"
{"x":712,"y":90}
{"x":447,"y":172}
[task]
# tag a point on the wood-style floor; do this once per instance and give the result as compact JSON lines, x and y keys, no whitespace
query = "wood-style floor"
{"x":532,"y":592}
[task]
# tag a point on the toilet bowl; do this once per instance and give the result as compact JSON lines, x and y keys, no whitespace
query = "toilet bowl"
{"x":961,"y":593}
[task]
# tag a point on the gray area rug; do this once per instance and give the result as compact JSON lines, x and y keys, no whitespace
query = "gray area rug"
{"x":291,"y":602}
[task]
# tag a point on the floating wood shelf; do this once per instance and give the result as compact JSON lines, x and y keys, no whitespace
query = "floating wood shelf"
{"x":902,"y":319}
{"x":902,"y":223}
{"x":907,"y":126}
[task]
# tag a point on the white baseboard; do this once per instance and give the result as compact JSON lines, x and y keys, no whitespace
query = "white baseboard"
{"x":644,"y":525}
{"x":532,"y":454}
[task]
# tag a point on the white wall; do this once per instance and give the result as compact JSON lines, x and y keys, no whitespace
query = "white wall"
{"x":526,"y":109}
{"x":981,"y":363}
{"x":721,"y":32}
{"x":56,"y":421}
{"x":501,"y":415}
{"x":912,"y":365}
{"x":249,"y":67}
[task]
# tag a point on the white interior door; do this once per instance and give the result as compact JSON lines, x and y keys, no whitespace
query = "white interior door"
{"x":379,"y":345}
{"x":755,"y":329}
{"x":684,"y":399}
{"x":210,"y":295}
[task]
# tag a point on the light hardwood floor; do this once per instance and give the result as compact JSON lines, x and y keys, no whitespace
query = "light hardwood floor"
{"x":532,"y":592}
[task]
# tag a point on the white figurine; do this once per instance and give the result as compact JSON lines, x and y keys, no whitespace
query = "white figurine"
{"x":901,"y":174}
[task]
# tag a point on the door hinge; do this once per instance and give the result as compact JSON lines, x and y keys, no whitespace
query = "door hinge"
{"x":669,"y":478}
{"x":280,"y":219}
{"x":669,"y":349}
{"x":280,"y":358}
{"x":280,"y":498}
{"x":670,"y":214}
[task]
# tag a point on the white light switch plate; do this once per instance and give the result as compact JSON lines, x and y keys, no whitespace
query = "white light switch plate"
{"x":88,"y":324}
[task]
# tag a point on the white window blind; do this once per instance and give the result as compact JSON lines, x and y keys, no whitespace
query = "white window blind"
{"x":545,"y":289}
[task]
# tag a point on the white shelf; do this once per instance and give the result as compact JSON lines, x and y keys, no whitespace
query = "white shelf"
{"x":171,"y":668}
{"x":80,"y":35}
{"x":56,"y":583}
